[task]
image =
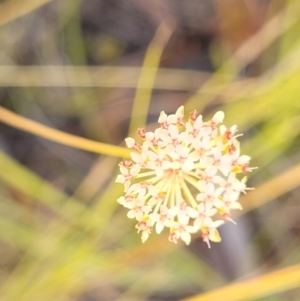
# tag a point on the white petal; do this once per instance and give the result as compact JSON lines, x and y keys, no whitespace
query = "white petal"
{"x":175,"y":165}
{"x":120,"y":179}
{"x":218,"y":203}
{"x":191,"y":212}
{"x":165,"y":138}
{"x":159,"y":227}
{"x":149,"y":136}
{"x":225,"y":169}
{"x":198,"y":122}
{"x":243,"y":159}
{"x":136,"y":157}
{"x":218,"y":223}
{"x":172,"y":119}
{"x":169,"y":149}
{"x":222,"y":129}
{"x":210,"y":188}
{"x":198,"y":223}
{"x":162,"y":117}
{"x":159,"y":172}
{"x":154,"y":217}
{"x":146,"y":209}
{"x":173,"y":131}
{"x":139,"y":215}
{"x":124,"y":170}
{"x":211,"y":212}
{"x":214,"y":235}
{"x":188,"y":165}
{"x":236,"y":205}
{"x":219,"y":180}
{"x":180,"y":112}
{"x":218,"y":117}
{"x":219,"y":191}
{"x":121,"y":200}
{"x":201,"y":208}
{"x":186,"y":237}
{"x":134,"y":188}
{"x":135,"y":170}
{"x":166,"y":165}
{"x":158,"y":132}
{"x":131,"y":214}
{"x":200,"y":196}
{"x":174,"y":155}
{"x":173,"y":211}
{"x":205,"y":131}
{"x":183,"y":218}
{"x":152,"y":156}
{"x":208,"y":222}
{"x":130,"y":142}
{"x":238,"y":186}
{"x":211,"y":171}
{"x":194,"y":156}
{"x":145,"y":236}
{"x":185,"y":137}
{"x":192,"y":229}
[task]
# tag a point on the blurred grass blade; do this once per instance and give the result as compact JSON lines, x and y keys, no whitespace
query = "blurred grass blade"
{"x":38,"y":129}
{"x":13,"y":9}
{"x":15,"y":231}
{"x":247,"y":52}
{"x":147,"y":77}
{"x":25,"y":181}
{"x":101,"y":76}
{"x":252,"y":289}
{"x":272,"y":189}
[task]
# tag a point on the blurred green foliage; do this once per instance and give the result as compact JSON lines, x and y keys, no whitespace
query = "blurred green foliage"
{"x":62,"y":233}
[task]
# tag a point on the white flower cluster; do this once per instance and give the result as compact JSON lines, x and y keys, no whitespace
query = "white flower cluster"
{"x":176,"y":162}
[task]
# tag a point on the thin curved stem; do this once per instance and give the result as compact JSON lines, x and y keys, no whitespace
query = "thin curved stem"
{"x":147,"y":77}
{"x":46,"y":132}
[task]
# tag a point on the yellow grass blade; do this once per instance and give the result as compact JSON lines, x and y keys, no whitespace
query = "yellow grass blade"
{"x":247,"y":52}
{"x":101,"y":76}
{"x":38,"y":129}
{"x":152,"y":59}
{"x":18,"y":177}
{"x":272,"y":189}
{"x":261,"y":286}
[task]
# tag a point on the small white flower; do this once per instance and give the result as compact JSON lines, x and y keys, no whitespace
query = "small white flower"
{"x":139,"y":188}
{"x":201,"y":146}
{"x":231,"y":184}
{"x":211,"y":233}
{"x":182,"y":230}
{"x":155,"y":196}
{"x":127,"y":175}
{"x":207,"y":176}
{"x":163,"y":219}
{"x":204,"y":215}
{"x":140,"y":160}
{"x":145,"y":225}
{"x":138,"y":209}
{"x":152,"y":139}
{"x":211,"y":195}
{"x":178,"y":158}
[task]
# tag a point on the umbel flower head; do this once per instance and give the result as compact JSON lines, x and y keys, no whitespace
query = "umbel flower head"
{"x":184,"y":176}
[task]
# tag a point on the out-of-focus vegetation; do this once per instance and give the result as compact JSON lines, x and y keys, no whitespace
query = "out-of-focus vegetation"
{"x":97,"y":70}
